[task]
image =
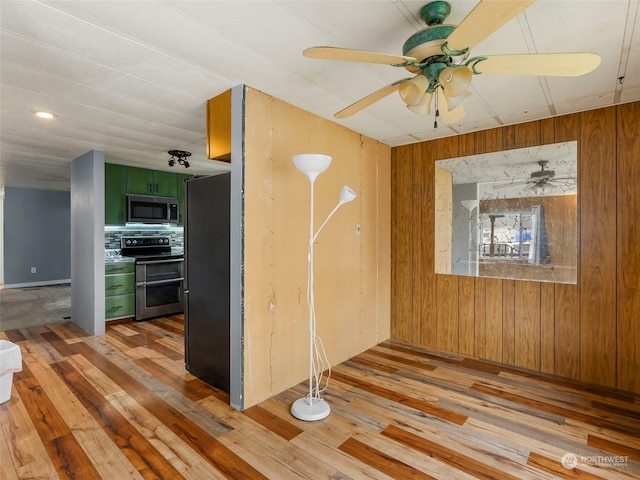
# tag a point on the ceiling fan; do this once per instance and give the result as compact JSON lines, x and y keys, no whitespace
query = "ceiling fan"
{"x":438,"y":55}
{"x":541,"y":179}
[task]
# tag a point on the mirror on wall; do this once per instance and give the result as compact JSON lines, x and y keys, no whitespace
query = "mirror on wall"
{"x":510,"y":214}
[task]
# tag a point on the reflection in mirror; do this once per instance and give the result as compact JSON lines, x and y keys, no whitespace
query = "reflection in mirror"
{"x":510,"y":214}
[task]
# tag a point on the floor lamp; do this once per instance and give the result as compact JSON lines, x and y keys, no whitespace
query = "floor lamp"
{"x":313,"y":407}
{"x":470,"y":205}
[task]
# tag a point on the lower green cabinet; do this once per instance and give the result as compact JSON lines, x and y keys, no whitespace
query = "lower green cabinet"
{"x":120,"y":290}
{"x":120,"y":306}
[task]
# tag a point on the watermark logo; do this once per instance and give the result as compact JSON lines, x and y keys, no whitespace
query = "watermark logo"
{"x":571,"y":460}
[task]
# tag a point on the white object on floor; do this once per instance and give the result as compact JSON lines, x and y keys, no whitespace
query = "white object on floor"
{"x":10,"y":362}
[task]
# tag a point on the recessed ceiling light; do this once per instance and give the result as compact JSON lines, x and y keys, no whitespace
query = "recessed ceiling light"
{"x":43,"y":114}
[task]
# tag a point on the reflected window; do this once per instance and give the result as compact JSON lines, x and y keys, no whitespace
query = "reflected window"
{"x":510,"y":214}
{"x":514,"y":236}
{"x":505,"y":235}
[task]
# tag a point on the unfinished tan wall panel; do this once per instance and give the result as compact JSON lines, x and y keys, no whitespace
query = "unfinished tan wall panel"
{"x":352,"y":282}
{"x":444,"y":215}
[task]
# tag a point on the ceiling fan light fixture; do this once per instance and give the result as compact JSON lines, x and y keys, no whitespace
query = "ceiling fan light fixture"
{"x":453,"y":102}
{"x":424,"y":107}
{"x":455,"y":80}
{"x":412,"y":91}
{"x":449,"y":115}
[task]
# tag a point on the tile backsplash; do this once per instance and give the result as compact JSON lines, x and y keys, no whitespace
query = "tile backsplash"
{"x":112,"y":236}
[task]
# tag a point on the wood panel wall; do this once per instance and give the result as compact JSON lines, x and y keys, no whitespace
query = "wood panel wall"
{"x":589,"y":331}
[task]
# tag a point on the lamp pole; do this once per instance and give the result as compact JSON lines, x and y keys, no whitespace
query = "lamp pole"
{"x":313,"y":407}
{"x":470,"y":205}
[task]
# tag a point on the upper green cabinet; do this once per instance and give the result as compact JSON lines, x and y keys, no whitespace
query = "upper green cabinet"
{"x":166,"y":184}
{"x":115,"y":199}
{"x":143,"y":181}
{"x":139,"y":181}
{"x":120,"y":180}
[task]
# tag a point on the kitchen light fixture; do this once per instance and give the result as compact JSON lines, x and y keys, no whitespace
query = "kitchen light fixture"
{"x":179,"y":156}
{"x":313,"y":407}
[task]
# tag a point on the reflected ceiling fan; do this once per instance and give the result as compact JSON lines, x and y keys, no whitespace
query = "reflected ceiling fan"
{"x":540,"y":179}
{"x":438,"y":56}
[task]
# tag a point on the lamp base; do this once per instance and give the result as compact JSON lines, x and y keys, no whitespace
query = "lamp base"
{"x":302,"y":410}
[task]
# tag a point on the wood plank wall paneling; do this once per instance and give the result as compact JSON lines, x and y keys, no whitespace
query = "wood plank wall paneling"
{"x":403,"y":252}
{"x":597,"y":186}
{"x":628,"y":218}
{"x":589,"y":331}
{"x":566,"y":343}
{"x":426,"y":198}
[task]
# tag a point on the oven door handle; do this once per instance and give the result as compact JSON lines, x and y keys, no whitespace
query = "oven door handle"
{"x":153,"y":262}
{"x":159,"y":282}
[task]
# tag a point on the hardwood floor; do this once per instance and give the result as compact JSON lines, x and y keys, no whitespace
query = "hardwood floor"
{"x":121,"y":405}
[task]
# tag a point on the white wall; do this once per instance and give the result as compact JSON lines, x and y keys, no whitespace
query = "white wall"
{"x":1,"y":236}
{"x":87,"y":242}
{"x":36,"y":237}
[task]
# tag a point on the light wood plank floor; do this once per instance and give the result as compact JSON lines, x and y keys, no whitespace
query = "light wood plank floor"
{"x":121,"y":406}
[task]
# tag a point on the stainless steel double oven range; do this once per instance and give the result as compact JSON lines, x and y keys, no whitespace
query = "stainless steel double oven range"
{"x":159,"y":276}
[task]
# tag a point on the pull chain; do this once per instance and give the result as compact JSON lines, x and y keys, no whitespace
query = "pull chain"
{"x":435,"y":120}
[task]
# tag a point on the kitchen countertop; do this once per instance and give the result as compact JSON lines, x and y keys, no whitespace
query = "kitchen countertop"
{"x":114,"y":256}
{"x":119,"y":259}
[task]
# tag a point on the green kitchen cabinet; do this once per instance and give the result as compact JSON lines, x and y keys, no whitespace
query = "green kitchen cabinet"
{"x":120,"y":180}
{"x":115,"y":189}
{"x":140,"y":181}
{"x":143,"y":181}
{"x":165,"y":184}
{"x":119,"y":284}
{"x":120,"y":290}
{"x":119,"y":268}
{"x":120,"y":306}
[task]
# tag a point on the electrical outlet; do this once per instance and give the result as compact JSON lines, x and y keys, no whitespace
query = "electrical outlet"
{"x":33,"y":269}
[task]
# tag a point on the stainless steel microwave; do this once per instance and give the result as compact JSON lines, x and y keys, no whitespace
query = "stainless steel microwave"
{"x":151,"y":209}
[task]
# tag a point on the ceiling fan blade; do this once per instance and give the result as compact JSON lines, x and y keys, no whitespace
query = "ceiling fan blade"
{"x":368,"y":100}
{"x":349,"y":55}
{"x":539,"y":64}
{"x":498,"y":186}
{"x":449,"y":116}
{"x":487,"y":17}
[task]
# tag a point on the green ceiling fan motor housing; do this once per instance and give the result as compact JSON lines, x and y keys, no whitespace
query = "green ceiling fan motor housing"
{"x":429,"y":46}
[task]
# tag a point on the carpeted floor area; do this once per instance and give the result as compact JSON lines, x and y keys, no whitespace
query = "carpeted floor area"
{"x":32,"y":306}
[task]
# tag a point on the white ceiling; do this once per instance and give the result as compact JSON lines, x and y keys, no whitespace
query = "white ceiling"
{"x":132,"y":78}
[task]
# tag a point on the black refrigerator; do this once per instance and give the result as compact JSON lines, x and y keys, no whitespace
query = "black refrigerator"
{"x":207,"y":278}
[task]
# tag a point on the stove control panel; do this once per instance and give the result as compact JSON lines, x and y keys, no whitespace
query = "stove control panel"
{"x":145,"y":241}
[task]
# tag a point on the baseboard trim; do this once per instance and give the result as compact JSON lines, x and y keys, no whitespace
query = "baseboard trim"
{"x":38,"y":284}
